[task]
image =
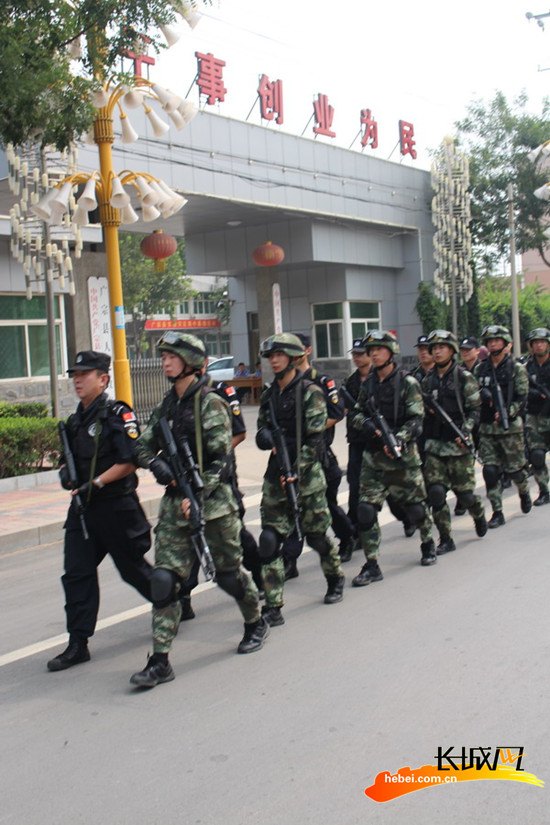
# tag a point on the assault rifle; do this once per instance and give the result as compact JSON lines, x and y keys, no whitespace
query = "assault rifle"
{"x":190,"y":484}
{"x":444,"y":415}
{"x":349,"y":400}
{"x":285,"y":467}
{"x":391,"y":442}
{"x":73,"y":476}
{"x":498,"y":400}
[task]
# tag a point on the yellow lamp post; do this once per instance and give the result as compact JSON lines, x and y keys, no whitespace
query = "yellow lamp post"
{"x":104,"y":189}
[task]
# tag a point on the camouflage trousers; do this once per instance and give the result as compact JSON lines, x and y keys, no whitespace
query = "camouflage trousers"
{"x":314,"y":520}
{"x":539,"y":439}
{"x":403,"y":481}
{"x":456,"y":473}
{"x":174,"y":551}
{"x":508,"y":453}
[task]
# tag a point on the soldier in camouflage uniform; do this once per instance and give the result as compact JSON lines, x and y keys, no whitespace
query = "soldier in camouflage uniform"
{"x":301,"y":413}
{"x":195,"y":412}
{"x":449,"y":463}
{"x":396,"y":396}
{"x":501,"y":448}
{"x":538,"y":409}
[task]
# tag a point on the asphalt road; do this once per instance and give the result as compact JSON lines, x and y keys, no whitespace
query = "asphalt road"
{"x":452,"y":655}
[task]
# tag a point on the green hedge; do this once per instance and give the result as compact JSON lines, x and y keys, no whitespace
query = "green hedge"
{"x":30,"y":409}
{"x":26,"y":443}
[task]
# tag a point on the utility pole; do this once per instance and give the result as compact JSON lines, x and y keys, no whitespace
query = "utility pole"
{"x":516,"y":335}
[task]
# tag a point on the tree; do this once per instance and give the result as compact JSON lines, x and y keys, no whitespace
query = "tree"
{"x":146,"y":292}
{"x":497,"y":138}
{"x":495,"y":305}
{"x":53,"y":55}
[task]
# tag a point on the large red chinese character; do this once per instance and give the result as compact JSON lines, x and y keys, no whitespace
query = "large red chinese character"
{"x":370,"y":132}
{"x":406,"y":134}
{"x":271,"y":98}
{"x":139,"y":59}
{"x":210,"y":77}
{"x":324,"y":113}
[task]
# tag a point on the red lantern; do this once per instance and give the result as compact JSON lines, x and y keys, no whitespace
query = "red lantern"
{"x":268,"y":254}
{"x":159,"y":247}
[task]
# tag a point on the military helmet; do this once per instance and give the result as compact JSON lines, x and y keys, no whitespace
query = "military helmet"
{"x":442,"y":336}
{"x":496,"y":331}
{"x":539,"y":334}
{"x":188,"y":347}
{"x":282,"y":342}
{"x":381,"y":338}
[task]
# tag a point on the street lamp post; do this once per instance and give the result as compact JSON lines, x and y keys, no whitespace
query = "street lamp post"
{"x":104,"y":189}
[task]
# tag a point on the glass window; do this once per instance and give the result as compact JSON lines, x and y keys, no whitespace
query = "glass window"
{"x":24,"y":348}
{"x":365,"y":315}
{"x":326,"y":312}
{"x":329,"y":332}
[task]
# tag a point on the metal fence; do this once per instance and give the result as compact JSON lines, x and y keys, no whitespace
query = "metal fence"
{"x":149,"y":386}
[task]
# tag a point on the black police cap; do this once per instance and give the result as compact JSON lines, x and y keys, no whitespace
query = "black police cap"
{"x":469,"y":343}
{"x":91,"y":360}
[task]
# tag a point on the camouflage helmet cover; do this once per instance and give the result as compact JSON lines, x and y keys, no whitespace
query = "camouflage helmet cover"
{"x":186,"y":346}
{"x":539,"y":334}
{"x":282,"y":342}
{"x":381,"y":338}
{"x":442,"y":336}
{"x":496,"y":331}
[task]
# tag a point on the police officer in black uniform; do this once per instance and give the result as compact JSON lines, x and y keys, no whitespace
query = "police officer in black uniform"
{"x":102,"y":436}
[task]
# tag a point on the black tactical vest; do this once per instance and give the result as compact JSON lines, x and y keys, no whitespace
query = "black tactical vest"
{"x":388,"y":396}
{"x":90,"y":433}
{"x":448,"y":389}
{"x":536,"y":404}
{"x":486,"y":378}
{"x":180,"y":414}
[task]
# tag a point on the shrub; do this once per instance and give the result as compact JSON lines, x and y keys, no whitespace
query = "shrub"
{"x":30,"y":409}
{"x":25,"y":443}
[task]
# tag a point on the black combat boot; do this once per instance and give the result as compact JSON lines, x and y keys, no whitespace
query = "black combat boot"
{"x":496,"y":520}
{"x":273,"y":616}
{"x":157,"y":670}
{"x":255,"y":634}
{"x":543,"y":497}
{"x":526,"y":503}
{"x":187,"y":611}
{"x":75,"y":654}
{"x":291,"y":569}
{"x":427,"y":548}
{"x":370,"y":572}
{"x":446,"y":545}
{"x":335,"y":590}
{"x":481,"y":526}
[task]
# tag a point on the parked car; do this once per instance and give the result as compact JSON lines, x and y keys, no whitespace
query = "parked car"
{"x":222,"y":369}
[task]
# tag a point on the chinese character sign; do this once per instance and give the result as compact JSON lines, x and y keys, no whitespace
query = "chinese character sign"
{"x":324,"y":114}
{"x":271,"y":99}
{"x":369,"y":134}
{"x":406,"y":142}
{"x":210,"y":77}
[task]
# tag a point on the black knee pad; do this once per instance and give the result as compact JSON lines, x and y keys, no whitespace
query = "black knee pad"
{"x":367,"y":515}
{"x":233,"y":582}
{"x":491,"y":475}
{"x":248,"y":543}
{"x":318,"y":542}
{"x":269,"y":545}
{"x":537,"y":458}
{"x":163,"y":587}
{"x":437,"y":495}
{"x":466,"y":499}
{"x":416,"y":513}
{"x":397,"y":510}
